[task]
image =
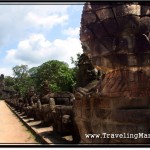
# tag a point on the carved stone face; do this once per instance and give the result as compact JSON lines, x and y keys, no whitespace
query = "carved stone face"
{"x":31,"y":92}
{"x":115,"y":35}
{"x":45,"y":87}
{"x":66,"y":119}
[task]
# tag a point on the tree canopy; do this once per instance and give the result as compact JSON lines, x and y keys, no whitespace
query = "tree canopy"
{"x":58,"y":74}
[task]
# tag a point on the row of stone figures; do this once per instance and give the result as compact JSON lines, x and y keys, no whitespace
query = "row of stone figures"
{"x":115,"y":37}
{"x":52,"y":109}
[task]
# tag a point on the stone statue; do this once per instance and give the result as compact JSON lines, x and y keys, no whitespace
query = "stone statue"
{"x":11,"y":100}
{"x":20,"y":102}
{"x":31,"y":101}
{"x":63,"y":116}
{"x":47,"y":104}
{"x":45,"y":93}
{"x":2,"y":82}
{"x":32,"y":97}
{"x":115,"y":35}
{"x":87,"y":72}
{"x":2,"y":85}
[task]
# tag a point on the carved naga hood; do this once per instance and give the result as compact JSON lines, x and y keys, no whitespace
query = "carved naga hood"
{"x":116,"y":35}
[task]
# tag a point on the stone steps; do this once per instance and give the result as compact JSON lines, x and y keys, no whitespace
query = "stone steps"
{"x":44,"y":135}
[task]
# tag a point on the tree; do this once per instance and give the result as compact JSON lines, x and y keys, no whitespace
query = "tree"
{"x":22,"y":79}
{"x":58,"y":74}
{"x":33,"y":72}
{"x":9,"y":81}
{"x":75,"y":62}
{"x":76,"y":68}
{"x":20,"y":71}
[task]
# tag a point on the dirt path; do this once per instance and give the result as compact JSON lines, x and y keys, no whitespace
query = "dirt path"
{"x":11,"y":129}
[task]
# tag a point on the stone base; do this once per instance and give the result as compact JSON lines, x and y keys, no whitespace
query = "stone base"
{"x":115,"y":110}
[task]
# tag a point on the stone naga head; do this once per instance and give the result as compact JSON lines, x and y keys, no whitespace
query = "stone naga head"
{"x":116,"y":35}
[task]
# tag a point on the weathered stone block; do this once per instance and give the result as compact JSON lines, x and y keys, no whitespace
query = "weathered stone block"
{"x":128,"y":103}
{"x":131,"y":116}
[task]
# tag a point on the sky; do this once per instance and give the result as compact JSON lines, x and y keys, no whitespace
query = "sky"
{"x":33,"y":34}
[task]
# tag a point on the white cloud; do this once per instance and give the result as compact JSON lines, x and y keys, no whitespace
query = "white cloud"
{"x":45,"y":22}
{"x":22,"y":47}
{"x":71,"y":31}
{"x":18,"y":20}
{"x":36,"y":49}
{"x":7,"y":71}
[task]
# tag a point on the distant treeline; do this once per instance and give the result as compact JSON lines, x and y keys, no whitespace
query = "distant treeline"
{"x":58,"y":74}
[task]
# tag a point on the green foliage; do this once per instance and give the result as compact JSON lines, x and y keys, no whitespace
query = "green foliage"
{"x":58,"y":74}
{"x":20,"y":71}
{"x":33,"y":72}
{"x":22,"y":78}
{"x":76,"y":68}
{"x":75,"y":62}
{"x":9,"y":81}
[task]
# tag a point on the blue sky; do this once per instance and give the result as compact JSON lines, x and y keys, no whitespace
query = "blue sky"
{"x":34,"y":34}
